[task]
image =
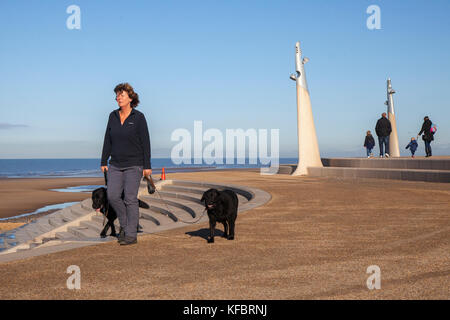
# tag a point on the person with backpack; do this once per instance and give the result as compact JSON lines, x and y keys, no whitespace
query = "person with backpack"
{"x":428,"y":134}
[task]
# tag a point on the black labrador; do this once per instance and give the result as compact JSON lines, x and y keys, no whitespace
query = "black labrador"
{"x":222,"y":207}
{"x":100,"y":204}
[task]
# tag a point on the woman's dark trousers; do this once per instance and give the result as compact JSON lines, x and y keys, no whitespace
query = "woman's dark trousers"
{"x":126,"y":180}
{"x":428,"y":147}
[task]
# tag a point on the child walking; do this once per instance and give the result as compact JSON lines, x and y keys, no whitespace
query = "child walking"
{"x":412,"y":146}
{"x":369,"y":143}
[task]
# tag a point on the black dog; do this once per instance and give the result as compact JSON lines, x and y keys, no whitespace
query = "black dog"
{"x":100,"y":204}
{"x":222,"y":207}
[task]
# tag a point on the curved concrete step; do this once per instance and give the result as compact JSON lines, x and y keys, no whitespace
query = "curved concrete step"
{"x":67,"y":236}
{"x":43,"y":225}
{"x":162,"y":215}
{"x":84,"y":232}
{"x":147,"y":215}
{"x":243,"y":191}
{"x":62,"y":217}
{"x":186,"y":211}
{"x":79,"y":210}
{"x":196,"y":192}
{"x":148,"y":226}
{"x":177,"y":188}
{"x":93,"y":225}
{"x":159,"y":211}
{"x":99,"y":219}
{"x":177,"y":195}
{"x":86,"y":204}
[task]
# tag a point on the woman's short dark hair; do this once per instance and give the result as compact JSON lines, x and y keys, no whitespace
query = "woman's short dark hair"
{"x":129,"y":89}
{"x":426,"y":118}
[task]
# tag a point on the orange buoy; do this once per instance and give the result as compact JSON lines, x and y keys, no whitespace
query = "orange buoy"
{"x":163,"y":174}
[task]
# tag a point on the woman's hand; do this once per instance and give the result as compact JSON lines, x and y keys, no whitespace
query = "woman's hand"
{"x":104,"y":168}
{"x":147,"y":172}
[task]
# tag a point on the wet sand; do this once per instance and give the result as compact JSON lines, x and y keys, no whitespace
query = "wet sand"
{"x":314,"y":239}
{"x":4,"y":226}
{"x":19,"y":196}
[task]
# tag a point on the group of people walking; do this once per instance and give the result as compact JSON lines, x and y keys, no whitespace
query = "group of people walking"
{"x":383,"y":130}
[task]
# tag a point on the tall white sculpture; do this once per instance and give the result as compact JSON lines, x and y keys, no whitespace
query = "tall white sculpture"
{"x":308,"y":147}
{"x":394,"y":150}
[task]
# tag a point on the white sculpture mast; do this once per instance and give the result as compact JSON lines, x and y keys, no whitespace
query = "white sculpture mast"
{"x":308,"y":147}
{"x":394,"y":150}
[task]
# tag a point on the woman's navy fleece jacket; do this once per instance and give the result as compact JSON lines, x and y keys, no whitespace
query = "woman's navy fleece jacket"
{"x":127,"y":144}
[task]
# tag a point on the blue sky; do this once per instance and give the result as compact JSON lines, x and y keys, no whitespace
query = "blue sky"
{"x":226,"y":63}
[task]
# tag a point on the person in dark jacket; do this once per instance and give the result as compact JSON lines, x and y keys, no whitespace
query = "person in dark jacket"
{"x":127,"y":141}
{"x":428,"y":136}
{"x":369,"y":143}
{"x":383,"y":130}
{"x":412,"y":146}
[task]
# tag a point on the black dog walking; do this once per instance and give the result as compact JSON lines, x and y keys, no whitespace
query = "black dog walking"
{"x":100,"y":203}
{"x":222,"y":207}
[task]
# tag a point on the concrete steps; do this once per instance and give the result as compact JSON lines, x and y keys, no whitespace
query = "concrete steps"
{"x":150,"y":216}
{"x":417,"y":169}
{"x":180,"y":208}
{"x":197,"y":191}
{"x":395,"y":174}
{"x":99,"y":219}
{"x":93,"y":225}
{"x":79,"y":210}
{"x":245,"y":192}
{"x":80,"y":223}
{"x":66,"y":236}
{"x":158,"y":212}
{"x":84,"y":232}
{"x":389,"y":163}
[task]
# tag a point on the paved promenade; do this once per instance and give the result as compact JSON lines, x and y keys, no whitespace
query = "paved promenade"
{"x":313,"y":240}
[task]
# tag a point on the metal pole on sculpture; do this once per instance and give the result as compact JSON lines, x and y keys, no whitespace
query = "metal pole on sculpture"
{"x":308,"y":147}
{"x":394,"y":150}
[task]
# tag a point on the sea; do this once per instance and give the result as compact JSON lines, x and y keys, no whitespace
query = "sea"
{"x":55,"y":168}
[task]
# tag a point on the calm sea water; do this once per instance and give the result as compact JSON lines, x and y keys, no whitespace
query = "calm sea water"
{"x":46,"y":168}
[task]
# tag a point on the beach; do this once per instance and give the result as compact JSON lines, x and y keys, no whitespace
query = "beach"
{"x":20,"y":195}
{"x":314,"y":239}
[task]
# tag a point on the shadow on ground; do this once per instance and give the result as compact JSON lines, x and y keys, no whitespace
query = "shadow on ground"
{"x":204,"y":233}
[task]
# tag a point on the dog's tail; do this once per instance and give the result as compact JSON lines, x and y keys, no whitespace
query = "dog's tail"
{"x":143,"y":204}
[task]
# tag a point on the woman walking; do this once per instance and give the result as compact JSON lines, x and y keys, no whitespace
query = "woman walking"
{"x":127,"y":141}
{"x":427,"y":135}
